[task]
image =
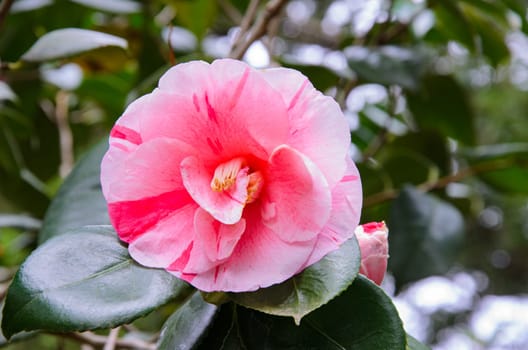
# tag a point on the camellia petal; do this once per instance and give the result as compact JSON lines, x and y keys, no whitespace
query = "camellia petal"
{"x":249,"y":268}
{"x":157,"y":160}
{"x":224,"y":206}
{"x":231,"y":178}
{"x":317,"y":126}
{"x":166,"y":241}
{"x":229,"y":108}
{"x":298,"y":194}
{"x":346,"y":209}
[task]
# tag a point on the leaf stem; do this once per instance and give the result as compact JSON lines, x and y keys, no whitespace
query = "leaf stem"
{"x":4,"y":10}
{"x":259,"y":28}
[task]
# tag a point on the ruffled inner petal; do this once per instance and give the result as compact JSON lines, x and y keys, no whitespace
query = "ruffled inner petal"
{"x":225,"y":206}
{"x":261,"y":258}
{"x":214,"y":243}
{"x":298,"y":201}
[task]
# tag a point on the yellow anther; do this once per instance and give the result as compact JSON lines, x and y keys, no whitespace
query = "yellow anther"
{"x":225,"y":174}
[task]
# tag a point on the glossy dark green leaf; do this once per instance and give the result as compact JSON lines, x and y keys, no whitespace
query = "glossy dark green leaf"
{"x":443,"y":105}
{"x":187,"y":325}
{"x":309,"y":290}
{"x":19,"y":336}
{"x":425,"y":235}
{"x":196,"y":15}
{"x":69,"y":42}
{"x":79,"y":200}
{"x":413,"y":344}
{"x":361,"y":318}
{"x":388,"y":65}
{"x":84,"y":280}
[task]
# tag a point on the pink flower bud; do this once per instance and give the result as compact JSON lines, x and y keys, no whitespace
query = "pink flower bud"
{"x":374,"y":247}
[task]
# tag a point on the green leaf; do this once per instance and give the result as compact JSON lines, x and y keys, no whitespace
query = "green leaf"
{"x":451,"y":22}
{"x":186,"y":327}
{"x":79,"y":200}
{"x":81,"y":281}
{"x":195,"y":15}
{"x":361,"y":318}
{"x":309,"y":290}
{"x":19,"y":336}
{"x":413,"y":344}
{"x":388,"y":65}
{"x":407,"y":166}
{"x":69,"y":42}
{"x":443,"y":105}
{"x":492,"y":36}
{"x":425,"y":235}
{"x":429,"y":144}
{"x":373,"y":179}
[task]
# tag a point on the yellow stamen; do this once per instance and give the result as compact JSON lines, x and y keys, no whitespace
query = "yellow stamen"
{"x":256,"y":182}
{"x":225,"y":174}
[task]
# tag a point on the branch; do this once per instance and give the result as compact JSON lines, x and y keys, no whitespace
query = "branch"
{"x":112,"y":339}
{"x":230,"y":11}
{"x":101,"y":340}
{"x":442,"y":182}
{"x":4,"y":10}
{"x":65,"y":134}
{"x":245,"y":23}
{"x":258,"y":29}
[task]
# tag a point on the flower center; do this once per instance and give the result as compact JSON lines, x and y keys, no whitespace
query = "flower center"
{"x":226,"y":177}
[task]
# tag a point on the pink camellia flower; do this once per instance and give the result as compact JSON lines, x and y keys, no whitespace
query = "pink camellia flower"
{"x":231,"y":178}
{"x":374,"y":247}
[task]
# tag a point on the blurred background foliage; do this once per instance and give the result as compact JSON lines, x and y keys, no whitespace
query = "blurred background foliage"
{"x":435,"y":93}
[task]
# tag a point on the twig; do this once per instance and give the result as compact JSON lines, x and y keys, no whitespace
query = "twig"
{"x":258,"y":29}
{"x":442,"y":182}
{"x":247,"y":20}
{"x":112,"y":338}
{"x":65,"y":134}
{"x":100,"y":340}
{"x":172,"y":58}
{"x":230,"y":11}
{"x":4,"y":10}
